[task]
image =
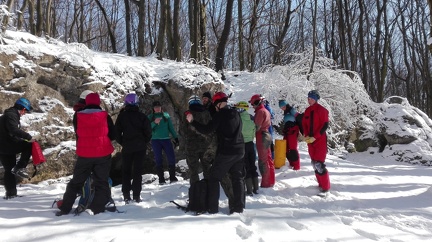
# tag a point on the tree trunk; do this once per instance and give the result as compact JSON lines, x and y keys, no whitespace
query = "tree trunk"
{"x":220,"y":52}
{"x":251,"y":38}
{"x":169,"y":30}
{"x":314,"y":37}
{"x":141,"y":27}
{"x":39,"y":18}
{"x":5,"y":21}
{"x":20,"y":21}
{"x":32,"y":26}
{"x":176,"y":33}
{"x":128,"y":28}
{"x":240,"y":36}
{"x":203,"y":43}
{"x":48,"y":19}
{"x":162,"y":29}
{"x":110,"y":33}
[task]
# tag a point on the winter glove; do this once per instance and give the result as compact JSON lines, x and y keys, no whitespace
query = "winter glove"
{"x":309,"y":140}
{"x":176,"y":142}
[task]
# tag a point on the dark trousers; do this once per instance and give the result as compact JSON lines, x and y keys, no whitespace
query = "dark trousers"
{"x":250,"y":159}
{"x":132,"y":164}
{"x":163,"y":144}
{"x":8,"y":162}
{"x":84,"y":167}
{"x":234,"y":164}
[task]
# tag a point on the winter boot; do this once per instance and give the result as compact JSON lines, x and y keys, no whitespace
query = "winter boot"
{"x":160,"y":173}
{"x":249,"y":185}
{"x":255,"y":185}
{"x":173,"y":177}
{"x":20,"y":172}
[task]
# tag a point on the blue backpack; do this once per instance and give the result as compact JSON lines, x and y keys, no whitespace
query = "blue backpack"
{"x":86,"y":196}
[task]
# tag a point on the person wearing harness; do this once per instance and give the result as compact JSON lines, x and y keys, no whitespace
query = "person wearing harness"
{"x":290,"y":133}
{"x":262,"y":122}
{"x":227,"y":124}
{"x":95,"y":130}
{"x":315,"y":123}
{"x":133,"y":134}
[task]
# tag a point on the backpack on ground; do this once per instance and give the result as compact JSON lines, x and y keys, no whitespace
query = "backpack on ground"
{"x":197,"y":198}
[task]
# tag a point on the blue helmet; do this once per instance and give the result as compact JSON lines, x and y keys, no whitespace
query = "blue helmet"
{"x":25,"y":103}
{"x":131,"y":99}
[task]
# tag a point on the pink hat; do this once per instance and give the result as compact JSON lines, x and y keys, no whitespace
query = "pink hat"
{"x":93,"y":99}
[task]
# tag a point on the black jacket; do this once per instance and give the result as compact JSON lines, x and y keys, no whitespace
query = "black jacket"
{"x":10,"y":133}
{"x":228,"y":126}
{"x":133,"y":129}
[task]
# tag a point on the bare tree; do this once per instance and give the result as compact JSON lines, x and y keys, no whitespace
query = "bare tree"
{"x":176,"y":29}
{"x":220,"y":52}
{"x":314,"y":36}
{"x":5,"y":22}
{"x":162,"y":28}
{"x":110,"y":33}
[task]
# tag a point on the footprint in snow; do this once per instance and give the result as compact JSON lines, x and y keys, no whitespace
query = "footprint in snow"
{"x":243,"y":232}
{"x":296,"y":225}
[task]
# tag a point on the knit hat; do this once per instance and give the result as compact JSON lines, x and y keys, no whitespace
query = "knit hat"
{"x":282,"y":103}
{"x":314,"y":95}
{"x":92,"y":99}
{"x":156,"y":104}
{"x":207,"y":94}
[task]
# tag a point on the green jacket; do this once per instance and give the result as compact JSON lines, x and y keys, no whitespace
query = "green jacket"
{"x":164,"y":128}
{"x":248,"y":129}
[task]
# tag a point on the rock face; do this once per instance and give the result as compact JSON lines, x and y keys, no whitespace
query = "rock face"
{"x":396,"y":123}
{"x":52,"y":75}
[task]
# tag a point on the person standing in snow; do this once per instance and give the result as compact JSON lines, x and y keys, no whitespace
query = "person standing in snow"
{"x":95,"y":130}
{"x":162,"y":128}
{"x":203,"y":113}
{"x":13,"y":141}
{"x":226,"y":122}
{"x":133,"y":134}
{"x":197,"y":145}
{"x":263,"y":141}
{"x":290,"y":133}
{"x":248,"y":131}
{"x":315,"y":123}
{"x":270,"y":110}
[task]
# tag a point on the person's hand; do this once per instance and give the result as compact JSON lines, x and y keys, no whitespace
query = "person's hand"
{"x":309,"y":140}
{"x":157,"y":120}
{"x":189,"y":117}
{"x":176,"y":142}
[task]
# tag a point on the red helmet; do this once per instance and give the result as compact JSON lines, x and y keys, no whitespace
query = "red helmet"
{"x":256,"y":100}
{"x":219,"y":97}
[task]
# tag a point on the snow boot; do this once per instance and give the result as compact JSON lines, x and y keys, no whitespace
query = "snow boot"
{"x":255,"y":185}
{"x":249,"y":185}
{"x":172,"y":175}
{"x":160,"y":173}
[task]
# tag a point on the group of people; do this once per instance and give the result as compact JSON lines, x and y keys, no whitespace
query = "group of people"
{"x":219,"y":143}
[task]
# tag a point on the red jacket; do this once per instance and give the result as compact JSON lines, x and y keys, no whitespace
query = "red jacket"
{"x":262,"y":118}
{"x":314,"y":120}
{"x":92,"y":134}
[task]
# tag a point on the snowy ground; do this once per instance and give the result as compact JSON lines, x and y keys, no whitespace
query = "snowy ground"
{"x":372,"y":199}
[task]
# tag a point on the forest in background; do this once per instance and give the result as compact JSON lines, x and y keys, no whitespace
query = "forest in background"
{"x":385,"y":41}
